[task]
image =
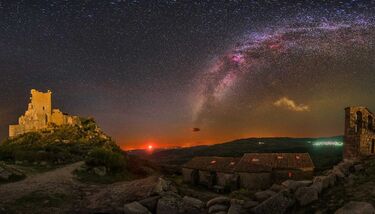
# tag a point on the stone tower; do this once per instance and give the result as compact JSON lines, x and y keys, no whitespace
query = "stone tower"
{"x":359,"y":139}
{"x":40,"y":115}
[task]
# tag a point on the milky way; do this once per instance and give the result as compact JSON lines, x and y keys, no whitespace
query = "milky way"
{"x":260,"y":51}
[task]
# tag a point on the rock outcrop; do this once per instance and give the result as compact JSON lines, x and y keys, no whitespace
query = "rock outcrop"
{"x":355,"y":207}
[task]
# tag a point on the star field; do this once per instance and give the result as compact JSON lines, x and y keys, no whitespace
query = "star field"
{"x":152,"y":71}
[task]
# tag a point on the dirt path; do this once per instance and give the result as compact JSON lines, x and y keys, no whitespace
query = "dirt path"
{"x":81,"y":197}
{"x":58,"y":180}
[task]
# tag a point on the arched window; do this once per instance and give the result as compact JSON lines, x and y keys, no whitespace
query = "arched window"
{"x":358,"y":122}
{"x":370,"y":122}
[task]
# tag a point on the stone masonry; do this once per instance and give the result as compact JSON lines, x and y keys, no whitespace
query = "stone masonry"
{"x":359,"y":139}
{"x":40,"y":115}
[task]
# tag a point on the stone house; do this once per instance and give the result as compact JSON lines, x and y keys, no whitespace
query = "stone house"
{"x":252,"y":171}
{"x":211,"y":171}
{"x":261,"y":170}
{"x":359,"y":139}
{"x":40,"y":115}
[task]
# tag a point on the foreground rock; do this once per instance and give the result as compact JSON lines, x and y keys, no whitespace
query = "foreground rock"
{"x":218,"y":200}
{"x":277,"y":204}
{"x":355,"y":207}
{"x":294,"y":185}
{"x":169,"y":204}
{"x":263,"y":195}
{"x":150,"y":203}
{"x":306,"y":195}
{"x":192,"y":205}
{"x":135,"y":208}
{"x":8,"y":173}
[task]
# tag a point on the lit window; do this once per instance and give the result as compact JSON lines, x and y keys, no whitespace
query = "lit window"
{"x":213,"y":162}
{"x":255,"y":160}
{"x":279,"y":157}
{"x":232,"y":163}
{"x":297,"y":157}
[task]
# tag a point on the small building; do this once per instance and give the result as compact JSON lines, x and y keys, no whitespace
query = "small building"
{"x":261,"y":170}
{"x":252,"y":171}
{"x":211,"y":172}
{"x":359,"y":139}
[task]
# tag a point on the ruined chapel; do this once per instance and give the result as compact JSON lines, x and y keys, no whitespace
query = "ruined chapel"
{"x":40,"y":115}
{"x":359,"y":139}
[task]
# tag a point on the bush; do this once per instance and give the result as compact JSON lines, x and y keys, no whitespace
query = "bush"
{"x":112,"y":161}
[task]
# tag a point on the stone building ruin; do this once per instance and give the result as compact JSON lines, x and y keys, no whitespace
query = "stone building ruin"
{"x":40,"y":115}
{"x":252,"y":171}
{"x":359,"y":139}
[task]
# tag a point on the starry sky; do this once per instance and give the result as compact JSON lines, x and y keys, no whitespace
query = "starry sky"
{"x":183,"y":73}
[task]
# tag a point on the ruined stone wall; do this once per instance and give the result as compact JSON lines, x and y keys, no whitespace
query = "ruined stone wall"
{"x":186,"y":174}
{"x":359,"y":139}
{"x":225,"y":179}
{"x":255,"y":180}
{"x":39,"y":115}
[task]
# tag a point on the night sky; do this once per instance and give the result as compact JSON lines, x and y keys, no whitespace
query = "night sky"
{"x":182,"y":73}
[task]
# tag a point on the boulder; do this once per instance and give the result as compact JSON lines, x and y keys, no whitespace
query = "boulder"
{"x":294,"y":185}
{"x":355,"y":207}
{"x":306,"y":195}
{"x":332,"y":179}
{"x":318,"y":186}
{"x":150,"y":203}
{"x":237,"y":201}
{"x":263,"y":195}
{"x":7,"y":173}
{"x":358,"y":168}
{"x":191,"y":205}
{"x":163,"y":185}
{"x":323,"y":179}
{"x":193,"y":202}
{"x":217,"y":208}
{"x":236,"y":209}
{"x":277,"y":187}
{"x":168,"y":204}
{"x":343,"y":167}
{"x":101,"y":171}
{"x":250,"y":204}
{"x":337,"y":171}
{"x":135,"y":208}
{"x":218,"y":200}
{"x":221,"y":212}
{"x":277,"y":204}
{"x":4,"y":174}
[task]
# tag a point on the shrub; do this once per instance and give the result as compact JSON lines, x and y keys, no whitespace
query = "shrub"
{"x":112,"y":161}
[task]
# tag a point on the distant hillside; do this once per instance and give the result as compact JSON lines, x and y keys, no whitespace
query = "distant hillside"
{"x":323,"y":156}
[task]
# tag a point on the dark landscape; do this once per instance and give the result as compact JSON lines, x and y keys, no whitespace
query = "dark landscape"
{"x":187,"y":107}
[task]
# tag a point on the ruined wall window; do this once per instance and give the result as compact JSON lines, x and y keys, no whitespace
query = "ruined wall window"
{"x":358,"y":122}
{"x":370,"y":122}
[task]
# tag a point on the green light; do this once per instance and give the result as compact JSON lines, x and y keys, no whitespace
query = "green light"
{"x":328,"y":143}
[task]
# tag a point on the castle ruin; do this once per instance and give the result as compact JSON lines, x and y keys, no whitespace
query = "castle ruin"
{"x":40,"y":115}
{"x":359,"y":139}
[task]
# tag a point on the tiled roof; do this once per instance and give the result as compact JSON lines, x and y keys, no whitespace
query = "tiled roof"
{"x":265,"y":162}
{"x":217,"y":164}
